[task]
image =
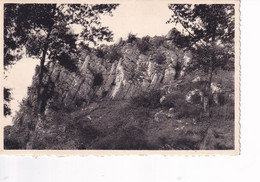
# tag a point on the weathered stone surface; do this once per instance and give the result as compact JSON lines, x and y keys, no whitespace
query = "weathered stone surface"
{"x":216,"y":92}
{"x":95,"y":80}
{"x":163,"y":116}
{"x":194,"y":97}
{"x":196,"y":79}
{"x":169,"y":74}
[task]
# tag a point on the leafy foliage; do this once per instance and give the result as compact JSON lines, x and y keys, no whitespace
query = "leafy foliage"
{"x":113,"y":54}
{"x":98,"y":79}
{"x":159,"y":58}
{"x":11,"y":144}
{"x":149,"y":98}
{"x":208,"y":31}
{"x":143,"y":45}
{"x":7,"y":99}
{"x":100,"y":53}
{"x":43,"y":30}
{"x":131,"y":38}
{"x":37,"y":26}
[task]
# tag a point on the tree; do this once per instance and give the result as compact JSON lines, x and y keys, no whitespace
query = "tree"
{"x":7,"y":99}
{"x":43,"y":31}
{"x":208,"y":31}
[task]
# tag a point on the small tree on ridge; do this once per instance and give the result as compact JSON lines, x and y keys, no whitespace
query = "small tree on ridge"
{"x":208,"y":31}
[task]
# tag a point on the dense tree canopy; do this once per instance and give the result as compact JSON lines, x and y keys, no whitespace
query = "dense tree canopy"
{"x":43,"y":31}
{"x":208,"y":30}
{"x":7,"y":99}
{"x":33,"y":26}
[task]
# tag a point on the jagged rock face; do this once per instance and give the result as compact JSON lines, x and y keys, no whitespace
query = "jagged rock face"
{"x":122,"y":79}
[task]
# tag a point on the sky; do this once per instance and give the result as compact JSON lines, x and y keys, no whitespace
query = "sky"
{"x":136,"y":18}
{"x":139,"y":18}
{"x":19,"y":77}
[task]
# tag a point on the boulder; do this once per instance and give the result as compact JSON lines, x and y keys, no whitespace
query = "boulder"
{"x":194,"y":97}
{"x":196,"y":79}
{"x":216,"y":91}
{"x":163,"y":116}
{"x":171,"y":33}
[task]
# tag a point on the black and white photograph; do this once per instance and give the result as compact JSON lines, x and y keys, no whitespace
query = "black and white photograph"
{"x":121,"y":77}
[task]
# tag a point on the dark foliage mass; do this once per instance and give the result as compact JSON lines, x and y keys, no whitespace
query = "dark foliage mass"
{"x":150,"y":98}
{"x":100,"y":53}
{"x":209,"y":34}
{"x":44,"y":31}
{"x":159,"y":58}
{"x":98,"y":79}
{"x":143,"y":45}
{"x":131,"y":38}
{"x":113,"y":54}
{"x":7,"y":99}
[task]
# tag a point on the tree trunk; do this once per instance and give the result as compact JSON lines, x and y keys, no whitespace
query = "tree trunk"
{"x":208,"y":97}
{"x":208,"y":87}
{"x":41,"y":90}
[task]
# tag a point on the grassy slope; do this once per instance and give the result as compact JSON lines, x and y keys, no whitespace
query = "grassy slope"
{"x":127,"y":126}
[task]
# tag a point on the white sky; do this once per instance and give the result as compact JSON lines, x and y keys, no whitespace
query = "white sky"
{"x":138,"y":18}
{"x":19,"y":77}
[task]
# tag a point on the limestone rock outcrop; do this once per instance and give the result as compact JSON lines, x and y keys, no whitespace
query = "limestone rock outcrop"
{"x":132,"y":73}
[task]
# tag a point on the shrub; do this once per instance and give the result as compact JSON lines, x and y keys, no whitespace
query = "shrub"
{"x":125,"y":138}
{"x":158,"y":41}
{"x":83,"y":134}
{"x":178,"y":69}
{"x":113,"y":54}
{"x":79,"y":102}
{"x":182,"y":109}
{"x":67,"y":62}
{"x":131,"y":138}
{"x":131,"y":38}
{"x":143,"y":45}
{"x":147,"y":99}
{"x":159,"y":58}
{"x":221,"y":99}
{"x":185,"y":143}
{"x":11,"y":143}
{"x":175,"y":99}
{"x":39,"y":144}
{"x":225,"y":112}
{"x":100,"y":53}
{"x":57,"y":105}
{"x":98,"y":79}
{"x":189,"y":111}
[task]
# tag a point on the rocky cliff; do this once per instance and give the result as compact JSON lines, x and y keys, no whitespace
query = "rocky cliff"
{"x":133,"y":72}
{"x":102,"y":84}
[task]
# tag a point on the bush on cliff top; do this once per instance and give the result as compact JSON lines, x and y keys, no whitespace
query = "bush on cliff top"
{"x":131,"y":38}
{"x":143,"y":45}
